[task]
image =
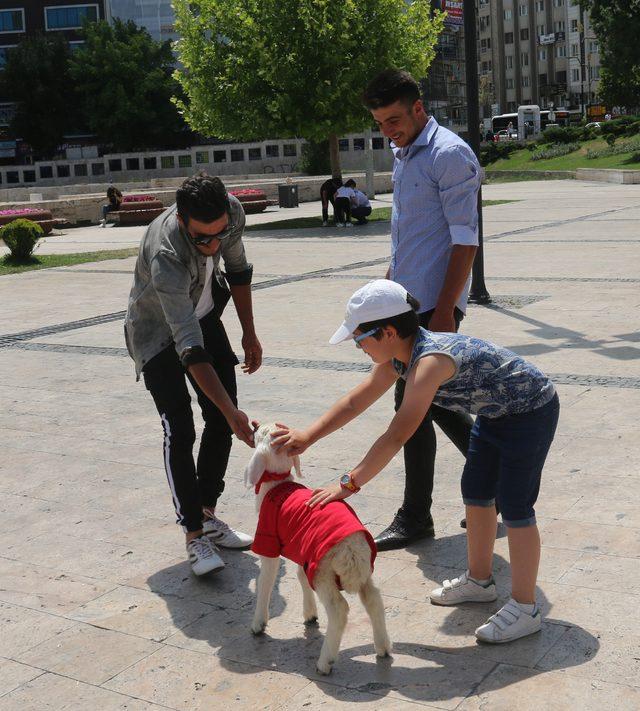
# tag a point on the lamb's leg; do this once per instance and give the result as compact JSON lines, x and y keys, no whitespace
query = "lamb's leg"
{"x":266,"y":580}
{"x":372,"y":601}
{"x":337,"y":611}
{"x":309,"y":608}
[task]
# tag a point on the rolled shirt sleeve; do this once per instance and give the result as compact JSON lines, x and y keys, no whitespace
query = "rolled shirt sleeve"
{"x":458,"y":175}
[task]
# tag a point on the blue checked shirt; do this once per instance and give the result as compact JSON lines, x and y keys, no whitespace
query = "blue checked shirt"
{"x":435,"y":192}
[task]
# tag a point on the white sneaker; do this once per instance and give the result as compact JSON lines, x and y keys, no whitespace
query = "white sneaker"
{"x":103,"y":223}
{"x":325,"y":223}
{"x":463,"y":589}
{"x":203,"y":556}
{"x":509,"y":623}
{"x":348,"y":224}
{"x":221,"y":534}
{"x":339,"y":224}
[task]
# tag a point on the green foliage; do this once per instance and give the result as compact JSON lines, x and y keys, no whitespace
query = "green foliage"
{"x":610,"y":139}
{"x":614,"y":148}
{"x":561,"y":134}
{"x":559,"y":149}
{"x":492,"y":152}
{"x":21,"y":237}
{"x":254,"y":69}
{"x":622,"y":126}
{"x":617,"y":26}
{"x":315,"y":158}
{"x":36,"y":76}
{"x":125,"y":79}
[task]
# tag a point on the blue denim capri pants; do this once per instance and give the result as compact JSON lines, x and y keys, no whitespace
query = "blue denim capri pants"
{"x":505,"y":460}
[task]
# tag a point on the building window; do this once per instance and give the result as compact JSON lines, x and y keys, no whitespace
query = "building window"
{"x":46,"y":171}
{"x":12,"y":20}
{"x":115,"y":165}
{"x":561,"y":50}
{"x":96,"y":169}
{"x":539,"y":5}
{"x":485,"y":44}
{"x":202,"y":157}
{"x":485,"y":23}
{"x":237,"y":154}
{"x":13,"y":176}
{"x":64,"y":170}
{"x":184,"y":161}
{"x":558,"y":3}
{"x":558,"y":26}
{"x":343,"y":144}
{"x":272,"y":151}
{"x":69,"y":17}
{"x":574,"y":50}
{"x":524,"y":34}
{"x":289,"y":150}
{"x":594,"y":72}
{"x":509,"y":61}
{"x":593,"y":47}
{"x":511,"y":107}
{"x":219,"y":156}
{"x":574,"y":25}
{"x":3,"y":54}
{"x":525,"y":81}
{"x":523,"y":10}
{"x":509,"y":83}
{"x":561,"y":77}
{"x":255,"y":154}
{"x":575,"y":75}
{"x":29,"y":176}
{"x":358,"y":144}
{"x":508,"y":14}
{"x":508,"y":37}
{"x":542,"y":54}
{"x":80,"y":169}
{"x":540,"y":29}
{"x":150,"y":163}
{"x":377,"y":143}
{"x":524,"y":59}
{"x":486,"y":67}
{"x":167,"y":162}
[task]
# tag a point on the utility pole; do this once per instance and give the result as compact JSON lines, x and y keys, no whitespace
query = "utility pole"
{"x":478,"y":293}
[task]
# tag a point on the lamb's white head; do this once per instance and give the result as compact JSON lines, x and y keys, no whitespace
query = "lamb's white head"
{"x":266,"y":459}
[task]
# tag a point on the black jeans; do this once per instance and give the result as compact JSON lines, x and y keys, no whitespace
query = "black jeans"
{"x":326,"y":199}
{"x":342,"y":207}
{"x":420,"y":449}
{"x":193,"y":486}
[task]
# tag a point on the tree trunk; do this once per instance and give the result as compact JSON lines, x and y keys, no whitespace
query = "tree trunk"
{"x":334,"y":155}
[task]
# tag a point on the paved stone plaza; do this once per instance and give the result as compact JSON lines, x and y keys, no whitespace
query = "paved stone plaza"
{"x":99,"y":609}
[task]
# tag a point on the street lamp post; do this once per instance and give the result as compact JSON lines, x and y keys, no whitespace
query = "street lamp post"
{"x":478,"y":293}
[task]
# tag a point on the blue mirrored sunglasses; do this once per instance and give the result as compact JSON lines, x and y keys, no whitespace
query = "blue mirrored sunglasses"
{"x":362,"y":336}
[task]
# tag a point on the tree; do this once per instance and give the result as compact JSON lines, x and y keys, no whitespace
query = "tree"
{"x":36,"y":76}
{"x":255,"y":69}
{"x":617,"y":26}
{"x":125,"y":79}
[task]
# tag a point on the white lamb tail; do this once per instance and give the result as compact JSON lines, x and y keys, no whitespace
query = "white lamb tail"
{"x":351,"y":562}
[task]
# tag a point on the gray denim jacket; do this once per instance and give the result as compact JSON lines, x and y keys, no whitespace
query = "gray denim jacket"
{"x":168,"y":281}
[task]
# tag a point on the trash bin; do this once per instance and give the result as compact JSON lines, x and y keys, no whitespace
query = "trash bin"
{"x":288,"y":195}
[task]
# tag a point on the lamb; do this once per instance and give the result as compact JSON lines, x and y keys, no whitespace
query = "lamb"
{"x":332,"y":548}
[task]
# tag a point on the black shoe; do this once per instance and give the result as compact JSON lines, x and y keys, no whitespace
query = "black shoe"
{"x":463,"y":523}
{"x":403,"y":531}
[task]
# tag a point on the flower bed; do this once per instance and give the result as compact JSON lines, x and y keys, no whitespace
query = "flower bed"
{"x":137,"y":198}
{"x":252,"y":200}
{"x":42,"y":217}
{"x":151,"y":204}
{"x":138,"y":217}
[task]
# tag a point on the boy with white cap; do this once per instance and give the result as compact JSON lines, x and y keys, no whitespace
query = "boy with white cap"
{"x":517,"y":412}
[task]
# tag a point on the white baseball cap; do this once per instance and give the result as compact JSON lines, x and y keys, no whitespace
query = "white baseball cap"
{"x":378,"y":299}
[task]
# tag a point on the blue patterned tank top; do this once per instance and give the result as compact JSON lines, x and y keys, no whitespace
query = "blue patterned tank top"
{"x":489,"y":380}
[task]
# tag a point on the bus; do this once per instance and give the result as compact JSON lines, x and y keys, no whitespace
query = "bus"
{"x":562,"y":117}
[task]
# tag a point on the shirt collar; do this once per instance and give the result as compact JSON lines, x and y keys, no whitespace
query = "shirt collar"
{"x":423,"y":139}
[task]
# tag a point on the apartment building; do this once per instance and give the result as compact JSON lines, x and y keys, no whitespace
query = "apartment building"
{"x":536,"y":52}
{"x":156,"y":16}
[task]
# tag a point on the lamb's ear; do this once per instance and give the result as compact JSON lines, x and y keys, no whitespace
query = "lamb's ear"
{"x":255,"y":468}
{"x":296,"y":465}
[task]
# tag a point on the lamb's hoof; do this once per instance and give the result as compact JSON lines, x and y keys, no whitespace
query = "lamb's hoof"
{"x":324,"y":669}
{"x":258,"y":628}
{"x":311,"y":622}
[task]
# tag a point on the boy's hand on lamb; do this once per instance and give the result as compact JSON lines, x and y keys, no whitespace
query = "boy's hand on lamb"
{"x":321,"y":497}
{"x":291,"y":441}
{"x":239,"y":423}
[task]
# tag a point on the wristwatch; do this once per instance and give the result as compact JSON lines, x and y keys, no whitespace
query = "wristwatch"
{"x":346,"y":482}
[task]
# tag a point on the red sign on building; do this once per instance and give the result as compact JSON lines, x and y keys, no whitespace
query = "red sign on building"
{"x":453,"y":8}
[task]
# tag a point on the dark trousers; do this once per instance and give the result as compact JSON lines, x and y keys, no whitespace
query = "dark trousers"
{"x":193,"y":486}
{"x":420,"y":449}
{"x":361,"y":212}
{"x":326,"y":199}
{"x":342,"y":207}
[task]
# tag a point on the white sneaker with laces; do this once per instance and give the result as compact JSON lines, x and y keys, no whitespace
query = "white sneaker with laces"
{"x":348,"y":224}
{"x":339,"y":224}
{"x":509,"y":623}
{"x":325,"y":223}
{"x":221,"y":534}
{"x":203,"y":556}
{"x":463,"y":589}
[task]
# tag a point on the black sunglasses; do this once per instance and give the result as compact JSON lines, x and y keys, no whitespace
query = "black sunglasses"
{"x":207,"y":239}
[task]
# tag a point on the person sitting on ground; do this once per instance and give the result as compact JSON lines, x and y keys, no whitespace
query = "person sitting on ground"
{"x":345,"y":200}
{"x":327,"y":193}
{"x":114,"y":196}
{"x":362,"y":207}
{"x":516,"y":408}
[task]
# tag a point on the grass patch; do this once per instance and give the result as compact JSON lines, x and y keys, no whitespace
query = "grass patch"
{"x":48,"y":261}
{"x":521,"y":160}
{"x":378,"y":214}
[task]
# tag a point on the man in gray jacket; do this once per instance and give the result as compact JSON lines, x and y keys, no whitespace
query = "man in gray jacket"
{"x":173,"y":329}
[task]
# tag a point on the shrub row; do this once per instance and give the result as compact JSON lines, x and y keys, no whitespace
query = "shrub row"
{"x":492,"y":152}
{"x":556,"y":150}
{"x":614,"y":150}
